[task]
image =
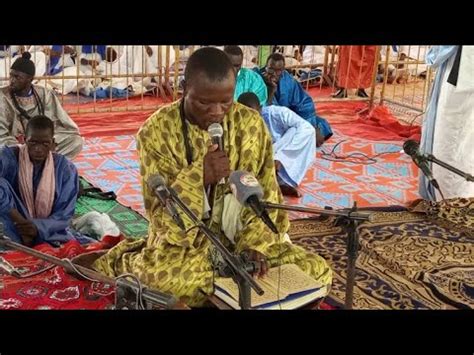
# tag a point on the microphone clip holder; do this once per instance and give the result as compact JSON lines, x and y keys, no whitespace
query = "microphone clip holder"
{"x":127,"y":294}
{"x":223,"y":270}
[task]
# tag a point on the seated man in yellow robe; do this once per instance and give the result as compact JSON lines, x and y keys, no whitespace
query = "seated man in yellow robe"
{"x":174,"y":143}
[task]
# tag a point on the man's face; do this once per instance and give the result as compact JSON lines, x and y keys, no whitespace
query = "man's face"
{"x":273,"y":71}
{"x":207,"y":102}
{"x":236,"y":62}
{"x":19,"y":81}
{"x":39,"y":142}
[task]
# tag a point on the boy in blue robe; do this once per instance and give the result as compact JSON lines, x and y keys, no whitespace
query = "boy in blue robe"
{"x":38,"y":188}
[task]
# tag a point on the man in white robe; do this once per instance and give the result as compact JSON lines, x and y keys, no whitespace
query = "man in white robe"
{"x":294,"y":142}
{"x":448,"y":127}
{"x":127,"y":60}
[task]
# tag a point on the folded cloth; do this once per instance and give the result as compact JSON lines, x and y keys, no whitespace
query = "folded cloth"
{"x":97,"y":225}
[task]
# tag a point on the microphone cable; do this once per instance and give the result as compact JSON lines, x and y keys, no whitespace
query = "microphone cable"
{"x":359,"y":158}
{"x":355,"y":158}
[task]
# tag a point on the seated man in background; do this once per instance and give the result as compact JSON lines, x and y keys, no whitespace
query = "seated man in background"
{"x":22,"y":100}
{"x":125,"y":60}
{"x":284,"y":90}
{"x":294,"y":142}
{"x":38,"y":188}
{"x":62,"y":64}
{"x":90,"y":56}
{"x":8,"y":55}
{"x":247,"y":80}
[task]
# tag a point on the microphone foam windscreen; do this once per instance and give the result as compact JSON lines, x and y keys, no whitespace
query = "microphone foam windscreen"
{"x":155,"y":180}
{"x":215,"y":130}
{"x":410,"y":147}
{"x":244,"y":185}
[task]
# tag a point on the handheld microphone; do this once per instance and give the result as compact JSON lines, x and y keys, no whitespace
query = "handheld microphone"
{"x":156,"y":183}
{"x":216,"y":132}
{"x":248,"y":192}
{"x":411,"y":148}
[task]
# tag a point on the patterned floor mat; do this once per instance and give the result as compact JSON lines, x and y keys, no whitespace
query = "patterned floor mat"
{"x":130,"y":223}
{"x":51,"y":288}
{"x":391,"y":180}
{"x":111,"y":164}
{"x":406,"y":260}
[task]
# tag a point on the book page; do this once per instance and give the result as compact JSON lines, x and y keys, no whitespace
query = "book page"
{"x":270,"y":295}
{"x":292,"y":279}
{"x":296,"y":301}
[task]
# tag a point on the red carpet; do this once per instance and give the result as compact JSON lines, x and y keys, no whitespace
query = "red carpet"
{"x":100,"y":124}
{"x":351,"y":119}
{"x":110,"y":123}
{"x":379,"y":124}
{"x":53,"y":289}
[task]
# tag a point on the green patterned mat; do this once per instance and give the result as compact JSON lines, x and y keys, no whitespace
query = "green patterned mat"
{"x":131,"y":223}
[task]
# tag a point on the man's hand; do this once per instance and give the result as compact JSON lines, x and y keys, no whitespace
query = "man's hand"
{"x":271,"y":88}
{"x":216,"y":165}
{"x":27,"y":231}
{"x":26,"y":228}
{"x":260,"y":259}
{"x":16,"y":216}
{"x":270,"y":80}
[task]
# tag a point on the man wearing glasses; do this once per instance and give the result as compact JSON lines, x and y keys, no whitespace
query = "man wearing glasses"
{"x":38,"y":188}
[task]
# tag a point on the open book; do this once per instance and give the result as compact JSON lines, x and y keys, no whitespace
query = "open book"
{"x":297,"y":289}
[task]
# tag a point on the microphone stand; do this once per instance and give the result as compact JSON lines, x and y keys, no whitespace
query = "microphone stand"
{"x":433,"y":159}
{"x":236,"y":267}
{"x":351,"y":218}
